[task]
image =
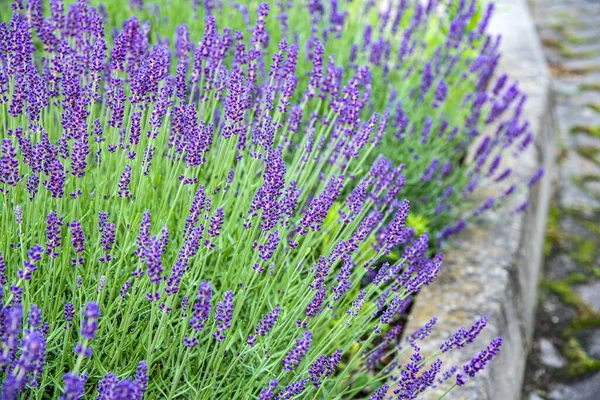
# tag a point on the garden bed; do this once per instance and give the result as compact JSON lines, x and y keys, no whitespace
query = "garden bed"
{"x":291,"y":273}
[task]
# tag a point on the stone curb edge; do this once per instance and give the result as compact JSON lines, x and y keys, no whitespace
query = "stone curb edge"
{"x":493,"y":268}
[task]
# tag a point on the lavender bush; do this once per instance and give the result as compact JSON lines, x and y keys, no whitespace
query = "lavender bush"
{"x":431,"y":68}
{"x":213,"y":221}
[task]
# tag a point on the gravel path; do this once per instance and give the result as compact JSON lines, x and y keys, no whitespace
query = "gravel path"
{"x":565,"y":359}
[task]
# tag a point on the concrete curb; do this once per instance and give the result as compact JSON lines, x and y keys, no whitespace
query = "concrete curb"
{"x":493,"y":268}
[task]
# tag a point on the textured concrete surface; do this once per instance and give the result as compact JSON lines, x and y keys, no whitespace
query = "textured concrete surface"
{"x":493,"y":267}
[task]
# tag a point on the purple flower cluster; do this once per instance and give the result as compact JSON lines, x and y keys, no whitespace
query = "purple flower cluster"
{"x":295,"y":356}
{"x":265,"y":325}
{"x":323,"y":367}
{"x":201,"y":311}
{"x":223,"y":315}
{"x":464,"y":336}
{"x":111,"y":388}
{"x":34,"y":255}
{"x":78,"y":242}
{"x":90,"y":321}
{"x":297,"y":150}
{"x":481,"y":359}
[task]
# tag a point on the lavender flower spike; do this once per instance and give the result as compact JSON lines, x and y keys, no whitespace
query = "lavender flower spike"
{"x":295,"y":356}
{"x":223,"y":315}
{"x":479,"y":361}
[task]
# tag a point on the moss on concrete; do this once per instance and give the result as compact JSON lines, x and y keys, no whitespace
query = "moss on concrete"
{"x":567,"y":295}
{"x":588,"y":130}
{"x":585,"y":252}
{"x":553,"y":233}
{"x":587,"y":316}
{"x":591,"y":153}
{"x":592,"y":227}
{"x":575,"y":38}
{"x":580,"y":362}
{"x":590,"y":86}
{"x":594,"y":106}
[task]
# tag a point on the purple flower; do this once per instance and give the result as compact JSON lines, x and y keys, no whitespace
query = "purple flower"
{"x":488,"y":204}
{"x":78,"y":242}
{"x":499,"y":85}
{"x":223,"y":315}
{"x":505,"y":174}
{"x":3,"y":277}
{"x":34,"y":255}
{"x":426,"y":78}
{"x":292,"y":390}
{"x":56,"y":179}
{"x":89,"y":325}
{"x":107,"y":386}
{"x":9,"y":165}
{"x":317,"y":71}
{"x":107,"y":240}
{"x":153,"y":260}
{"x":267,"y":250}
{"x":31,"y":361}
{"x":102,"y":221}
{"x":143,"y":238}
{"x":141,"y":378}
{"x":118,"y":108}
{"x":124,"y":182}
{"x":124,"y":289}
{"x":397,"y":234}
{"x":34,"y":318}
{"x":32,"y":185}
{"x":196,"y":208}
{"x":494,"y":165}
{"x":295,"y":356}
{"x":135,"y":132}
{"x":464,"y":336}
{"x":259,"y":34}
{"x":81,"y":149}
{"x":425,"y":131}
{"x":321,"y":272}
{"x":69,"y":313}
{"x":344,"y":283}
{"x":441,"y":91}
{"x":323,"y":367}
{"x":316,"y":370}
{"x":479,"y":361}
{"x":319,"y":207}
{"x":266,"y":394}
{"x":12,"y":322}
{"x":268,"y":322}
{"x":74,"y":386}
{"x":357,"y":304}
{"x":521,"y":207}
{"x":380,"y":393}
{"x":201,"y":307}
{"x":316,"y":304}
{"x":164,"y":98}
{"x":216,"y":223}
{"x":486,"y":18}
{"x":423,"y":332}
{"x":536,"y":177}
{"x":398,"y":305}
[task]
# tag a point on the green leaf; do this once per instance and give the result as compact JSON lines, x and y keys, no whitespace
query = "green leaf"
{"x":419,"y":223}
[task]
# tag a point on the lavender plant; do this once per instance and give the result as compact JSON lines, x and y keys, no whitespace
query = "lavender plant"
{"x":431,"y":65}
{"x":203,"y":222}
